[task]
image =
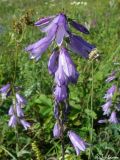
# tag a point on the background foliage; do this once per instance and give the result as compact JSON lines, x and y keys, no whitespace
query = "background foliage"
{"x":16,"y":32}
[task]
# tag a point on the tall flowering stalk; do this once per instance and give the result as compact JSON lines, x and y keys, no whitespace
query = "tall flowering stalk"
{"x":62,"y":67}
{"x":15,"y":112}
{"x":112,"y":101}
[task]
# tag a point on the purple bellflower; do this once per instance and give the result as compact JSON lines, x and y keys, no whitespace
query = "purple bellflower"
{"x":102,"y":121}
{"x":60,"y":93}
{"x":36,"y":49}
{"x":59,"y":23}
{"x":78,"y":26}
{"x":53,"y":62}
{"x":68,"y":65}
{"x":106,"y":107}
{"x":110,"y":92}
{"x":77,"y":142}
{"x":13,"y":121}
{"x":5,"y":88}
{"x":19,"y":110}
{"x":4,"y":91}
{"x":113,"y":118}
{"x":25,"y":124}
{"x":80,"y":46}
{"x":56,"y":131}
{"x":111,"y":77}
{"x":20,"y":99}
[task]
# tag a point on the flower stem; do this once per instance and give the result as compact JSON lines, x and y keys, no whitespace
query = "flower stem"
{"x":91,"y":135}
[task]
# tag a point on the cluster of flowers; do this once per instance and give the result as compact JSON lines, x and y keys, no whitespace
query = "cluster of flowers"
{"x":61,"y":66}
{"x":112,"y":105}
{"x":15,"y":112}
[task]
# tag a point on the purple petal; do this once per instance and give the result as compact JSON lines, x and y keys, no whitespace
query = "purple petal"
{"x":102,"y":121}
{"x":68,"y":65}
{"x":36,"y":50}
{"x":106,"y":107}
{"x":44,"y":21}
{"x":12,"y":121}
{"x":60,"y":76}
{"x":11,"y":111}
{"x":80,"y":46}
{"x":53,"y":62}
{"x":56,"y":131}
{"x":20,"y":99}
{"x":113,"y":118}
{"x":5,"y":88}
{"x":60,"y":93}
{"x":19,"y":110}
{"x":25,"y":124}
{"x":79,"y":27}
{"x":77,"y":142}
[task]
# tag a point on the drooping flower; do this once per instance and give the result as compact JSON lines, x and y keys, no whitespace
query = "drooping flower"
{"x":5,"y":88}
{"x":106,"y":107}
{"x":53,"y":62}
{"x":20,"y":99}
{"x":19,"y":110}
{"x":78,"y":26}
{"x":102,"y":121}
{"x":25,"y":124}
{"x":113,"y":118}
{"x":4,"y":91}
{"x":59,"y":23}
{"x":68,"y":66}
{"x":38,"y":48}
{"x":13,"y":121}
{"x":11,"y":111}
{"x":80,"y":46}
{"x":111,"y":77}
{"x":60,"y":93}
{"x":60,"y":76}
{"x":110,"y":92}
{"x":56,"y":130}
{"x":77,"y":142}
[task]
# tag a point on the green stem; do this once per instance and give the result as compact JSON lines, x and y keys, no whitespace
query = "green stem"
{"x":91,"y":108}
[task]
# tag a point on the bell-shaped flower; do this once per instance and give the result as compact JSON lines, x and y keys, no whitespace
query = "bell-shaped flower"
{"x":106,"y":108}
{"x":80,"y":46}
{"x":13,"y":121}
{"x":25,"y":124}
{"x":102,"y":121}
{"x":110,"y":92}
{"x":113,"y":118}
{"x":11,"y":111}
{"x":59,"y":23}
{"x":19,"y":110}
{"x":20,"y":99}
{"x":60,"y":93}
{"x":5,"y":88}
{"x":56,"y":130}
{"x":77,"y":142}
{"x":68,"y":66}
{"x":38,"y":48}
{"x":111,"y":77}
{"x":60,"y":76}
{"x":78,"y":26}
{"x":53,"y":62}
